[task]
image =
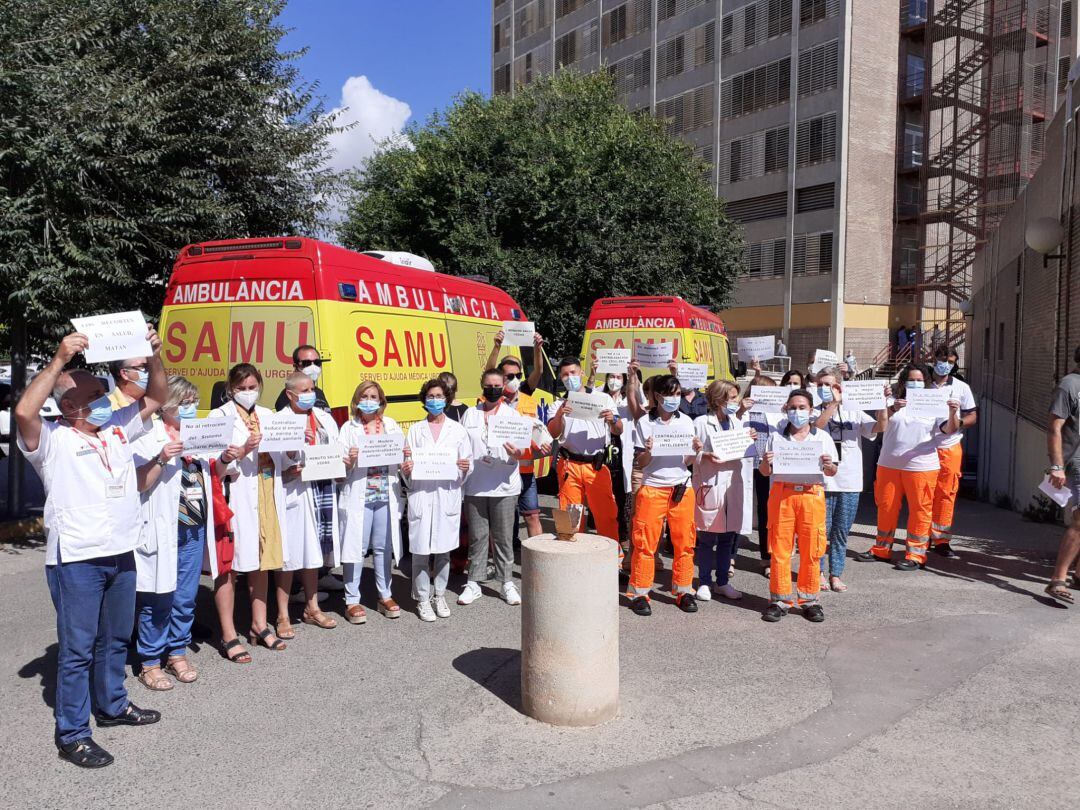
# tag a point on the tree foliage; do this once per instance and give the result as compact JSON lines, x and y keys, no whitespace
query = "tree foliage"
{"x":559,"y":195}
{"x":129,"y":128}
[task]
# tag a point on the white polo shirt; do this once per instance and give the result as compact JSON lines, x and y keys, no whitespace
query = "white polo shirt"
{"x":961,"y":392}
{"x":847,"y":429}
{"x":663,"y":471}
{"x":494,"y":473}
{"x":92,"y":505}
{"x":910,"y":444}
{"x":817,"y":436}
{"x":585,"y":437}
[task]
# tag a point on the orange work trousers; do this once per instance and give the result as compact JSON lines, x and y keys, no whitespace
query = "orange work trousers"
{"x":948,"y":484}
{"x":890,"y":490}
{"x":583,"y":484}
{"x":651,"y":506}
{"x":796,"y":511}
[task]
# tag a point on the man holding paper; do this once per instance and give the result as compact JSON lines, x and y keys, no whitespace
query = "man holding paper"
{"x":539,"y":463}
{"x":529,"y":385}
{"x":1063,"y":445}
{"x":93,"y":523}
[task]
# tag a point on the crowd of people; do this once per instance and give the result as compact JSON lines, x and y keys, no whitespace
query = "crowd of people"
{"x":132,"y":521}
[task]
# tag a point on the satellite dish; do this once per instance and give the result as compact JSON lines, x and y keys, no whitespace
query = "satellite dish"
{"x":402,"y":259}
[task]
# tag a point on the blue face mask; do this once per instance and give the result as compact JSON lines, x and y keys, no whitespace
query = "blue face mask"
{"x":100,"y":411}
{"x":943,"y":368}
{"x":825,"y":392}
{"x":189,"y":411}
{"x":368,"y":406}
{"x":572,"y":382}
{"x":435,"y":406}
{"x":306,"y":401}
{"x":671,"y":404}
{"x":731,"y":408}
{"x":143,"y":379}
{"x":798,"y":418}
{"x":912,"y":385}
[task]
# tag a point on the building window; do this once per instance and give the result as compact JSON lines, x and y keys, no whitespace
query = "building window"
{"x":665,"y":9}
{"x":754,"y":155}
{"x":625,"y":21}
{"x":818,"y":68}
{"x":812,"y":254}
{"x":687,"y":112}
{"x":814,"y":11}
{"x":693,"y":49}
{"x":632,"y":73}
{"x":986,"y":344}
{"x":1066,"y":19}
{"x":1001,"y":342}
{"x":577,"y":44}
{"x":768,"y":206}
{"x":1064,"y":63}
{"x":913,"y":13}
{"x":502,"y":35}
{"x":913,"y":146}
{"x":754,"y":24}
{"x":914,"y":75}
{"x":909,"y":262}
{"x":756,"y":89}
{"x":532,"y":65}
{"x":766,"y":259}
{"x":815,"y":140}
{"x":530,"y":18}
{"x":815,"y":198}
{"x":502,"y":79}
{"x":564,"y":7}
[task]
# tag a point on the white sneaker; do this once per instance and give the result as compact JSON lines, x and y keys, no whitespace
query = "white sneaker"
{"x":704,"y":594}
{"x":442,"y":610}
{"x":728,"y":592}
{"x":424,"y":611}
{"x":470,"y":593}
{"x":328,"y":582}
{"x":299,"y":598}
{"x":510,"y":593}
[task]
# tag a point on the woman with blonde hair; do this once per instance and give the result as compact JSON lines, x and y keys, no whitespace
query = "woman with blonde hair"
{"x":371,"y":505}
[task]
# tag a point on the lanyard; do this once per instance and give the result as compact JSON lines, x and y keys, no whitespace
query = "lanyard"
{"x":102,"y":452}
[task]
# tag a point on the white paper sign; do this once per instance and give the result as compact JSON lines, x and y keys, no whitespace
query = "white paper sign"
{"x":380,"y":449}
{"x":692,"y":375}
{"x":756,"y":348}
{"x":612,"y":361}
{"x":206,"y":437}
{"x":654,"y":355}
{"x":864,"y":395}
{"x":540,"y":434}
{"x":672,"y":440}
{"x":283,"y":433}
{"x":769,"y":398}
{"x":518,"y":333}
{"x":928,"y":403}
{"x":823,"y":358}
{"x":797,"y":458}
{"x":1059,"y":496}
{"x":119,"y":336}
{"x":434,"y":464}
{"x":729,"y":444}
{"x":511,"y":429}
{"x":585,"y":406}
{"x":323,"y":462}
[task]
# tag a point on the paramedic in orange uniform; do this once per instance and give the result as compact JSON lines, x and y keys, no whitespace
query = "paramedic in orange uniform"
{"x":584,"y":477}
{"x":950,"y":450}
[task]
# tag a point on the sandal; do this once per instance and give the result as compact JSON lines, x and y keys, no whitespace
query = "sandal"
{"x":283,"y":627}
{"x":242,"y":657}
{"x":1059,"y":590}
{"x":181,"y":669}
{"x":154,"y":679}
{"x":389,"y":608}
{"x":319,"y":619}
{"x":837,"y":585}
{"x":356,"y":614}
{"x":264,"y":637}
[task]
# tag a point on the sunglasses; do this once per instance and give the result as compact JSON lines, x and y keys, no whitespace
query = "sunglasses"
{"x":514,"y":376}
{"x":306,"y":363}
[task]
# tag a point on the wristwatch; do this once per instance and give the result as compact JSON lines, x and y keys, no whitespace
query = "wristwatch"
{"x":161,"y":462}
{"x":1056,"y":468}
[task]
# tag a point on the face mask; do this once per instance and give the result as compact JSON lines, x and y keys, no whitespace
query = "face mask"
{"x":368,"y":406}
{"x":435,"y":406}
{"x":798,"y":418}
{"x":493,"y":393}
{"x":142,"y":380}
{"x":912,"y":385}
{"x":671,"y":404}
{"x":512,"y":386}
{"x":246,"y":399}
{"x":572,"y":382}
{"x":614,"y":384}
{"x":306,"y":401}
{"x":731,"y":408}
{"x":189,"y":411}
{"x":100,"y":411}
{"x":314,"y":372}
{"x":826,"y":393}
{"x":942,"y":368}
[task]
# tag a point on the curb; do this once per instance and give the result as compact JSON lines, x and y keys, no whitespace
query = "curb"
{"x":21,"y":529}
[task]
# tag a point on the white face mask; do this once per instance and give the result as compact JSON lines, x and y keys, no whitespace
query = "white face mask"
{"x":614,"y":384}
{"x":513,"y":385}
{"x":246,"y":399}
{"x":314,"y":372}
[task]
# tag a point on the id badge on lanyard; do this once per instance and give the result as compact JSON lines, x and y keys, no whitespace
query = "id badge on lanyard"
{"x":114,"y":484}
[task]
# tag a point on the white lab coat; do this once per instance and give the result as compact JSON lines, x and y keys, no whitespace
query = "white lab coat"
{"x":155,"y":557}
{"x":244,"y":492}
{"x":627,"y":441}
{"x":354,"y":491}
{"x":435,"y":506}
{"x":719,"y":489}
{"x":301,"y":531}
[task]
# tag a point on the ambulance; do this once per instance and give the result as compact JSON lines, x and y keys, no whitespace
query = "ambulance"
{"x":697,"y":334}
{"x":380,"y":316}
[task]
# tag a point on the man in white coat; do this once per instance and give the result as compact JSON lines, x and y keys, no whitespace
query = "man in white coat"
{"x":93,"y":523}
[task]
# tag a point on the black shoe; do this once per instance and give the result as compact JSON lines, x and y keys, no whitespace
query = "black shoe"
{"x":641,"y":606}
{"x":131,"y":716}
{"x":945,"y":550}
{"x":814,"y":613}
{"x":869,"y":556}
{"x":85,"y":753}
{"x":687,"y":603}
{"x":908,"y":565}
{"x":773,"y":613}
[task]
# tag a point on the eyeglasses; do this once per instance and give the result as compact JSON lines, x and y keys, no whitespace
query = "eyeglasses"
{"x":306,"y":363}
{"x":514,"y":376}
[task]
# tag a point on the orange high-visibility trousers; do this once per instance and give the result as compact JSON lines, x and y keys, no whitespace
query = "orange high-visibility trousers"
{"x":583,"y":484}
{"x":796,"y":512}
{"x":652,"y":505}
{"x":948,"y":484}
{"x":890,"y":490}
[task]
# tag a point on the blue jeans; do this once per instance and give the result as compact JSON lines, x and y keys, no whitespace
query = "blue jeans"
{"x":840,"y":511}
{"x":377,"y":538}
{"x":165,"y":619}
{"x":95,"y":611}
{"x":714,"y":551}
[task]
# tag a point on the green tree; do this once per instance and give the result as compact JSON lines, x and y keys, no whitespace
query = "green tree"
{"x":559,"y":195}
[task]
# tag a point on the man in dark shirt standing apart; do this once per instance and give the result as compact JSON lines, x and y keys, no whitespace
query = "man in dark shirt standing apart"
{"x":308,"y":360}
{"x":1063,"y":445}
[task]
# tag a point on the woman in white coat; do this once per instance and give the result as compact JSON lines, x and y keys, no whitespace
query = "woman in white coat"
{"x":178,"y":511}
{"x":311,"y":512}
{"x":719,"y":488}
{"x":370,"y":506}
{"x":256,"y":497}
{"x":435,"y":505}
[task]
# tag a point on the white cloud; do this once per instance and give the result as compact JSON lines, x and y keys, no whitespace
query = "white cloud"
{"x":376,"y":117}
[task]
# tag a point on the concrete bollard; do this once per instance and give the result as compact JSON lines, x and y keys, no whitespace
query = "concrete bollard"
{"x":570,"y":630}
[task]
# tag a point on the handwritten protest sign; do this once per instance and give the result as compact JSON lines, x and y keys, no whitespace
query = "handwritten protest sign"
{"x":283,"y":433}
{"x":654,"y":355}
{"x":114,"y":337}
{"x":518,"y":333}
{"x":206,"y":437}
{"x":586,"y":406}
{"x":769,"y":398}
{"x":823,"y":359}
{"x":864,"y":395}
{"x":511,"y":429}
{"x":928,"y":403}
{"x":729,"y":445}
{"x":380,"y":449}
{"x":612,"y":361}
{"x":796,"y":458}
{"x":756,"y":348}
{"x":672,"y":440}
{"x":434,"y":464}
{"x":692,"y":375}
{"x":323,"y":462}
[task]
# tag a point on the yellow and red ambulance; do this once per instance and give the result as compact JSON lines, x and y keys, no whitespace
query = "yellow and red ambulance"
{"x":255,"y":300}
